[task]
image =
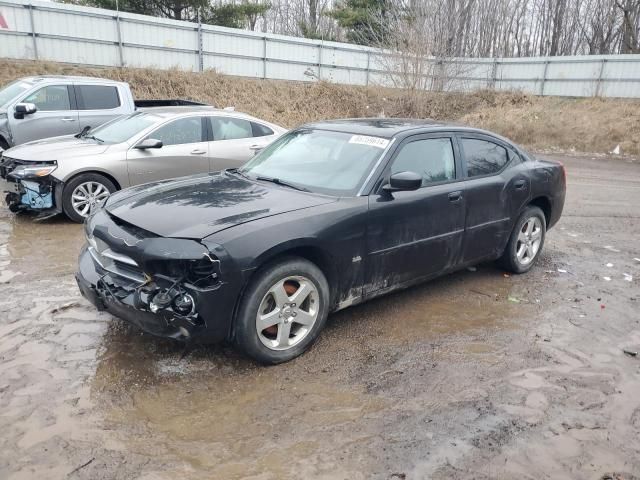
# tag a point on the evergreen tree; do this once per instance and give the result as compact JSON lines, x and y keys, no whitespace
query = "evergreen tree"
{"x":363,"y":20}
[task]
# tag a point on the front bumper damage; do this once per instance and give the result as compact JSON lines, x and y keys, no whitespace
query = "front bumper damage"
{"x":165,"y":286}
{"x":41,"y":194}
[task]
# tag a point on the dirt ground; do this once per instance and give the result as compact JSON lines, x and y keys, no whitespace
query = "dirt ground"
{"x":475,"y":375}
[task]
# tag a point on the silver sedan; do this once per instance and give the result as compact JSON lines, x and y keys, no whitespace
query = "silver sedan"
{"x":72,"y":174}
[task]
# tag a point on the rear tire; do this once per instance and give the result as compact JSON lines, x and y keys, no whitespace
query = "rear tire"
{"x":282,"y":311}
{"x":526,"y":241}
{"x":84,"y":193}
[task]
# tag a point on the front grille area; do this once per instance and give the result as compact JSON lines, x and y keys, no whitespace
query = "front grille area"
{"x":115,"y":263}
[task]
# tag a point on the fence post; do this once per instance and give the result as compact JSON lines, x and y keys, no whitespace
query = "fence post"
{"x":494,"y":73}
{"x":320,"y":61}
{"x":600,"y":77}
{"x":33,"y":31}
{"x":544,"y":77}
{"x":368,"y":68}
{"x":199,"y":42}
{"x":119,"y":34}
{"x":264,"y":58}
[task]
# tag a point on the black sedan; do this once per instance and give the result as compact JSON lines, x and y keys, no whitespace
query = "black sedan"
{"x":330,"y":215}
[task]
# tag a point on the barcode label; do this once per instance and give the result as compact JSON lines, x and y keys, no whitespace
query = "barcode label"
{"x":371,"y":141}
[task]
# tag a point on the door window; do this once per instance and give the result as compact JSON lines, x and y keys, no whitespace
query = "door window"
{"x":228,"y":128}
{"x":432,"y":158}
{"x":97,"y":97}
{"x":178,"y":132}
{"x":51,"y":98}
{"x":483,"y":157}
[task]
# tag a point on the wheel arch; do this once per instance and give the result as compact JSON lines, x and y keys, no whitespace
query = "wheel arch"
{"x":544,"y":204}
{"x":4,"y":141}
{"x":302,"y":248}
{"x":95,"y":172}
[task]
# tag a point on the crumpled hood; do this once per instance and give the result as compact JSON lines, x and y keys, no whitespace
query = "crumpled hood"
{"x":57,"y":148}
{"x":198,"y":206}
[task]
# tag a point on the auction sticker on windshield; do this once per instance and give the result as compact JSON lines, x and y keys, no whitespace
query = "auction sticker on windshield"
{"x":371,"y":141}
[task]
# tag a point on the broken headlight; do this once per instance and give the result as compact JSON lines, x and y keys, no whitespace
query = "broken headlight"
{"x":37,"y":170}
{"x":204,"y":273}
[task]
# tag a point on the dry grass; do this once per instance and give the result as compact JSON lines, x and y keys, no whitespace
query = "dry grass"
{"x":586,"y":125}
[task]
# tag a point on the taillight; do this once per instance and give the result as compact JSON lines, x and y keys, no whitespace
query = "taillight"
{"x":564,"y":171}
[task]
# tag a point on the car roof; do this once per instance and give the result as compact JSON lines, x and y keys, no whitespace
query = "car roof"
{"x":389,"y":127}
{"x":187,"y":109}
{"x":68,"y":78}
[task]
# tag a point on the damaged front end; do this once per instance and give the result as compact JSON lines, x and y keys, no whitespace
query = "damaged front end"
{"x":30,"y":186}
{"x":170,"y":287}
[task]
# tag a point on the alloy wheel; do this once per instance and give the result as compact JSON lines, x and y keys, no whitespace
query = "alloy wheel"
{"x":529,"y":240}
{"x":287,"y":312}
{"x":87,"y":196}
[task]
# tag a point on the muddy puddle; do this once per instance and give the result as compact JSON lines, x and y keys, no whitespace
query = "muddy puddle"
{"x":214,"y":411}
{"x":37,"y":249}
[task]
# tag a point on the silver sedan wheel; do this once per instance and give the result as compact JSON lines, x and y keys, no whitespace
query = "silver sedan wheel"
{"x":287,"y":313}
{"x":529,"y":241}
{"x":87,"y":196}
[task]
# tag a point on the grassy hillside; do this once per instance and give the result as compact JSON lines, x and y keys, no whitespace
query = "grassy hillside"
{"x":541,"y":123}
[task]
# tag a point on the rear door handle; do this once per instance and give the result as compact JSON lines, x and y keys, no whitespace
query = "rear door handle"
{"x":455,"y":196}
{"x":68,"y":119}
{"x":256,"y":148}
{"x":198,"y":152}
{"x":520,"y":184}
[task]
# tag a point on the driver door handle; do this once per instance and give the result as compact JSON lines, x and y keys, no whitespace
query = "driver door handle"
{"x":455,"y":196}
{"x":197,"y":152}
{"x":68,"y":119}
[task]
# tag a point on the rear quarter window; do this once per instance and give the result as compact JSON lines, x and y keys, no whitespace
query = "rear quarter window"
{"x":260,"y":130}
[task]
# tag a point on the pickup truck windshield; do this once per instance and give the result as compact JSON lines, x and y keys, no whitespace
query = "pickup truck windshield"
{"x":123,"y":128}
{"x":12,"y":90}
{"x":333,"y":163}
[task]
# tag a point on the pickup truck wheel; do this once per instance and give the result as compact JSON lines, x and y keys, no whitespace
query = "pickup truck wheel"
{"x":283,"y":310}
{"x":526,"y":241}
{"x":4,"y":145}
{"x":84,"y":193}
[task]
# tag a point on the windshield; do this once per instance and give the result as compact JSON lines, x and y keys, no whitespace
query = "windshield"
{"x":12,"y":90}
{"x":123,"y":128}
{"x":333,"y":163}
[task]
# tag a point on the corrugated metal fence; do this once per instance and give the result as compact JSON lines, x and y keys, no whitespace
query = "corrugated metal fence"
{"x":72,"y":34}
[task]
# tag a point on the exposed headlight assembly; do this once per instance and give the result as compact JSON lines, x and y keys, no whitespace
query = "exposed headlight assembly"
{"x":33,"y":171}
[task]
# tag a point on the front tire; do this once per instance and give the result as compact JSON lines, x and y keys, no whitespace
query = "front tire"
{"x":84,"y":193}
{"x":283,"y":311}
{"x":526,"y":241}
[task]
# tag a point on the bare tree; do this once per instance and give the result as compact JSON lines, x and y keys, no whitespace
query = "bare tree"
{"x":630,"y":25}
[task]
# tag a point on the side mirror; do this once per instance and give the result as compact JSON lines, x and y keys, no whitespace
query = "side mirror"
{"x":23,"y":109}
{"x":149,"y":143}
{"x":403,"y":181}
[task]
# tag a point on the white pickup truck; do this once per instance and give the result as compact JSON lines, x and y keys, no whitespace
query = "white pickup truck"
{"x":45,"y":106}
